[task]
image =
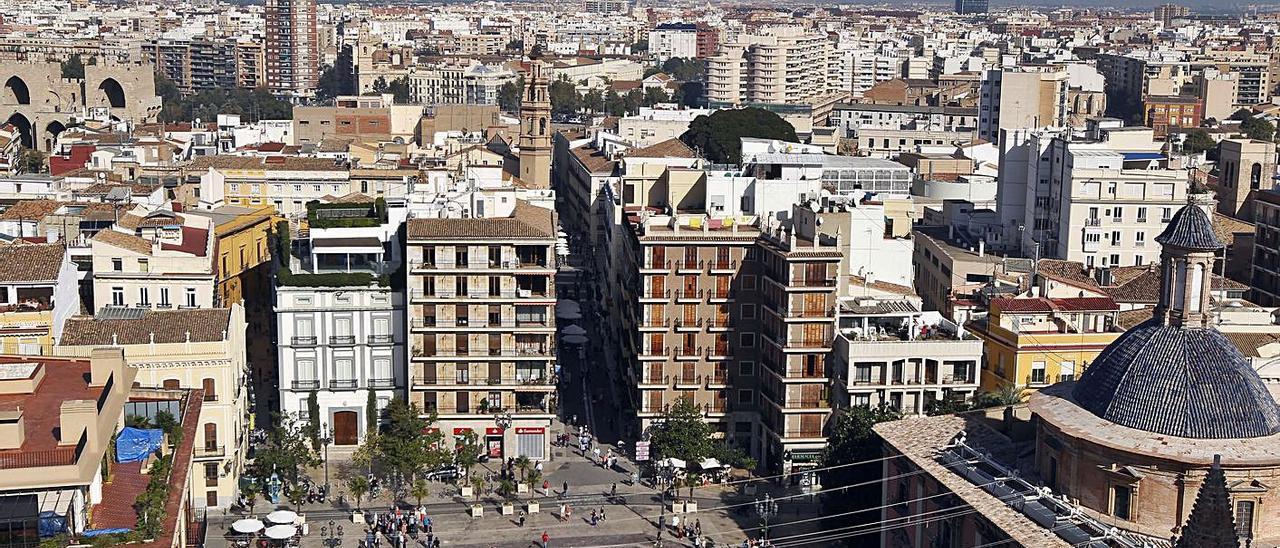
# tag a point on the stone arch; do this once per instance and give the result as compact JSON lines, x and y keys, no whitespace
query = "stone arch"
{"x":51,"y":131}
{"x":113,"y":92}
{"x":25,"y":130}
{"x":16,"y":91}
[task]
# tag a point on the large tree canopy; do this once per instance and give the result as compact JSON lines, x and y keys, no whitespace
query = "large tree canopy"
{"x":719,"y":136}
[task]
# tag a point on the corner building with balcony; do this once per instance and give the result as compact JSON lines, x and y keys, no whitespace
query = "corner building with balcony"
{"x":481,"y":324}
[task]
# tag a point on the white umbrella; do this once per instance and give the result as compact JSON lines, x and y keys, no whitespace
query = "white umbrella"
{"x":247,"y":526}
{"x":281,"y":532}
{"x":282,"y":516}
{"x":568,"y":305}
{"x":709,"y":464}
{"x":561,"y":233}
{"x":568,"y":314}
{"x":576,"y":339}
{"x":574,"y":330}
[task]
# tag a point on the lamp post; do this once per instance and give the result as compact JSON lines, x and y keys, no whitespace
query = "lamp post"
{"x":331,"y":535}
{"x":502,"y":420}
{"x":767,"y":508}
{"x":326,"y":437}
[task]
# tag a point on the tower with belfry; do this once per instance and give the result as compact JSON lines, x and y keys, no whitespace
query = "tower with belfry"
{"x":535,"y":129}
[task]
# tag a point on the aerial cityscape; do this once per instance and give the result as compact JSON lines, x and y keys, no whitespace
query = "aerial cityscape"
{"x":623,"y":273}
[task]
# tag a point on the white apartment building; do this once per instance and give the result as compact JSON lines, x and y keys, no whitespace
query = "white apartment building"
{"x":185,"y":349}
{"x":784,"y":64}
{"x":155,"y":260}
{"x":669,"y":40}
{"x":286,"y":182}
{"x":473,"y":84}
{"x":340,"y":324}
{"x":888,"y":352}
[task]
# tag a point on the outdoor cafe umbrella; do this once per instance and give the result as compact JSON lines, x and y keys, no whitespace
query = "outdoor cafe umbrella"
{"x":574,"y":330}
{"x":672,"y":462}
{"x":576,"y":339}
{"x":568,"y":313}
{"x":282,"y":516}
{"x":281,"y":532}
{"x":247,"y":526}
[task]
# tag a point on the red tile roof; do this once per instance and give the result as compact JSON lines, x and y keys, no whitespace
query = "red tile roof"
{"x":64,"y":380}
{"x":1045,"y":305}
{"x":195,"y":241}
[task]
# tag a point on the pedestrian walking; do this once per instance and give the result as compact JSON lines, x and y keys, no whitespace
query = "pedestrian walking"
{"x":565,"y":491}
{"x":546,"y":540}
{"x":563,"y":512}
{"x":613,"y":490}
{"x":546,"y":487}
{"x":595,"y":518}
{"x":601,"y":513}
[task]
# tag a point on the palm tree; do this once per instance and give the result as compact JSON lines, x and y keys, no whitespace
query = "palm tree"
{"x":534,"y":478}
{"x":477,"y":484}
{"x":359,"y":486}
{"x":1007,"y":393}
{"x":420,"y":490}
{"x":250,"y":492}
{"x":523,"y":464}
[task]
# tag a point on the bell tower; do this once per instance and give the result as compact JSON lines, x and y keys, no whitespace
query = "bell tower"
{"x":535,"y":129}
{"x":1187,"y":258}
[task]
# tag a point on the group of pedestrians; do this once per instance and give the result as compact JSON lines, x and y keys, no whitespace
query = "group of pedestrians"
{"x":401,"y":529}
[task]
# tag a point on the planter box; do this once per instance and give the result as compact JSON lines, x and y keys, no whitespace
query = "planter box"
{"x":690,"y":506}
{"x":477,"y":511}
{"x":522,"y":487}
{"x":467,"y":491}
{"x":531,"y":507}
{"x":508,"y":509}
{"x":357,"y":517}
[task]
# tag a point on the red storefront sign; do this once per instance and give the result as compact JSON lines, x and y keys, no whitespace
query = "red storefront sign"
{"x":493,"y":431}
{"x":460,"y":431}
{"x":530,"y":430}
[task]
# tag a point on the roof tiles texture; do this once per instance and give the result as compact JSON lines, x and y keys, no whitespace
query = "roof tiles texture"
{"x":168,"y":326}
{"x":526,"y":221}
{"x":31,"y":262}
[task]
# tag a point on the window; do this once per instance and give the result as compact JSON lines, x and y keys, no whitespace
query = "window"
{"x":744,"y":397}
{"x":191,"y":297}
{"x":1115,"y":259}
{"x":748,"y":282}
{"x":117,"y":296}
{"x":1121,"y":499}
{"x":495,"y":400}
{"x":144,"y":265}
{"x":747,"y":340}
{"x":144,"y":297}
{"x":1244,"y":517}
{"x":747,"y":368}
{"x":211,"y":475}
{"x":748,"y":311}
{"x":1142,"y":215}
{"x":1037,"y":373}
{"x":117,"y":265}
{"x":1140,"y":238}
{"x":1115,"y":237}
{"x":164,"y":298}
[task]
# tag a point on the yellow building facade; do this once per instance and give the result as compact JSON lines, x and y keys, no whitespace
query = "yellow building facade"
{"x":242,"y":251}
{"x":1033,"y":342}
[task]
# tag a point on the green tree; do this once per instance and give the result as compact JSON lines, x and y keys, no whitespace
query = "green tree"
{"x":297,"y":494}
{"x":358,"y":486}
{"x":32,"y":161}
{"x":367,"y":453}
{"x":73,"y":68}
{"x":250,"y":493}
{"x":685,"y":70}
{"x":654,"y":95}
{"x":313,"y":419}
{"x":593,"y":101}
{"x":564,"y":97}
{"x":613,"y":104}
{"x":650,"y":71}
{"x":1197,"y":141}
{"x":379,"y":84}
{"x":467,"y":452}
{"x":509,"y":95}
{"x":640,"y":46}
{"x":506,"y":488}
{"x":399,"y":89}
{"x":719,"y":136}
{"x":329,"y":85}
{"x":682,"y":433}
{"x":689,"y":94}
{"x":633,"y":100}
{"x":534,"y":479}
{"x":404,"y":447}
{"x":515,"y":45}
{"x":850,"y":440}
{"x":420,"y":490}
{"x":523,"y":464}
{"x":371,"y":412}
{"x":287,"y":453}
{"x":1007,"y":393}
{"x":1258,"y":128}
{"x":477,"y":487}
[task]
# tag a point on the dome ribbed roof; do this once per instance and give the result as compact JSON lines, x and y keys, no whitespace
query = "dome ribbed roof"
{"x":1190,"y":228}
{"x":1191,"y":383}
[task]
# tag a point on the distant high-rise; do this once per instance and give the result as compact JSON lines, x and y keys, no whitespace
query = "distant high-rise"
{"x":293,"y":56}
{"x":1168,"y":12}
{"x":964,"y":7}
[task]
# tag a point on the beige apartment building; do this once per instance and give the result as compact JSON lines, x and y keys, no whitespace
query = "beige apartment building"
{"x":1247,"y":166}
{"x":185,"y":350}
{"x":482,"y":326}
{"x":780,"y":65}
{"x":1021,"y":99}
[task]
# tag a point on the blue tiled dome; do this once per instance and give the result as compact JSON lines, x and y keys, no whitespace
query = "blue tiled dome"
{"x":1190,"y":228}
{"x":1191,"y":383}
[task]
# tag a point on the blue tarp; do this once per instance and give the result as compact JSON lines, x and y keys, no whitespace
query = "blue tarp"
{"x":96,"y":532}
{"x":136,"y":444}
{"x":1135,"y":156}
{"x":52,"y":524}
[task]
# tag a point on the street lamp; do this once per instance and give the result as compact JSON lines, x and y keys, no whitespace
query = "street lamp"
{"x":326,"y":437}
{"x":767,"y":508}
{"x":331,"y":535}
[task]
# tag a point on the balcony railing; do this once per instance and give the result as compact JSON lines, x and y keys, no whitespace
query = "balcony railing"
{"x":303,"y":341}
{"x":656,"y":294}
{"x":343,"y":384}
{"x":342,"y":339}
{"x":306,"y":385}
{"x":688,"y":380}
{"x":382,"y":339}
{"x":813,"y":282}
{"x":687,"y":324}
{"x":659,"y":265}
{"x":688,"y":351}
{"x":689,"y":294}
{"x":382,"y":383}
{"x":723,"y":265}
{"x":1092,"y":221}
{"x":690,"y":265}
{"x":209,"y":451}
{"x":656,"y":322}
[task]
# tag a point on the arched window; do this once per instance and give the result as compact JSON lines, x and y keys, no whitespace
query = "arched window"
{"x":542,"y":126}
{"x":1255,"y":176}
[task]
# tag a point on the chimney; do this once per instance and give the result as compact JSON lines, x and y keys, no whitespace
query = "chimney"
{"x":982,"y":248}
{"x":12,"y":432}
{"x":104,"y":363}
{"x":76,"y":417}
